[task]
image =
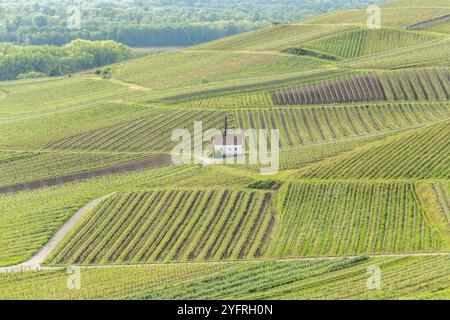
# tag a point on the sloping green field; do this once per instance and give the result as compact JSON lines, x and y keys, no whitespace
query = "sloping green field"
{"x":405,"y":278}
{"x":363,"y":180}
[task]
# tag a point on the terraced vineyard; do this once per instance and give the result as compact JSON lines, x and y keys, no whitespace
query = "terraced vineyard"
{"x":341,"y":219}
{"x":172,"y":225}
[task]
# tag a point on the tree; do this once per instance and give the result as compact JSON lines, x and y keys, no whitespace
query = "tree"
{"x":40,"y":20}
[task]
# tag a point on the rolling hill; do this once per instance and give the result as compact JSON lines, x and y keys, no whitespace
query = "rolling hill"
{"x":363,"y":117}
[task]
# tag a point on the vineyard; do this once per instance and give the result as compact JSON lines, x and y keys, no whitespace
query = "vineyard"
{"x":341,"y":219}
{"x":337,"y":279}
{"x":172,"y":225}
{"x":253,"y":92}
{"x":187,"y":68}
{"x":431,"y":54}
{"x":429,"y":85}
{"x":397,"y":14}
{"x":87,"y":178}
{"x":421,"y":154}
{"x":299,"y":126}
{"x":18,"y":167}
{"x":31,"y":98}
{"x":357,"y":43}
{"x":442,"y":196}
{"x":149,"y":133}
{"x":409,"y":277}
{"x":275,"y":38}
{"x":29,"y":219}
{"x":299,"y":156}
{"x":361,"y":88}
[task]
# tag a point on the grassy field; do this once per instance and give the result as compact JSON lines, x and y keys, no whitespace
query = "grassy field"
{"x":30,"y":98}
{"x":363,"y":117}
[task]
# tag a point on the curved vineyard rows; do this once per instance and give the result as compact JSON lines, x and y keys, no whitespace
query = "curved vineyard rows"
{"x":429,"y":85}
{"x":360,"y":88}
{"x":421,"y":154}
{"x":275,"y":38}
{"x":357,"y":43}
{"x":350,"y":218}
{"x":429,"y":54}
{"x":171,"y":225}
{"x":300,"y":126}
{"x":443,"y":198}
{"x":151,"y":133}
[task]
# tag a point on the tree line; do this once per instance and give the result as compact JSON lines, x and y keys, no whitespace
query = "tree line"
{"x":149,"y":23}
{"x":21,"y":62}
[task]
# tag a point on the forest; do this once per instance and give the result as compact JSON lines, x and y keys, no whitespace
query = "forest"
{"x":149,"y":23}
{"x":21,"y":62}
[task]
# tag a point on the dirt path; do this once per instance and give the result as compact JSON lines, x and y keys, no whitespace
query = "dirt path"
{"x":35,"y":262}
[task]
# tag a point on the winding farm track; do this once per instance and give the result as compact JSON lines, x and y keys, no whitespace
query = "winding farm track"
{"x":38,"y":258}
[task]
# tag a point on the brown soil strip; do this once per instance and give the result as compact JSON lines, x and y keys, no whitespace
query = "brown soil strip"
{"x":218,"y":240}
{"x":176,"y":233}
{"x":245,"y":216}
{"x":254,"y":231}
{"x":188,"y":237}
{"x":259,"y":252}
{"x":428,"y":23}
{"x":150,"y":162}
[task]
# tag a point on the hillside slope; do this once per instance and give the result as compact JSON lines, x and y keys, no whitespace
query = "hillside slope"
{"x":364,"y":123}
